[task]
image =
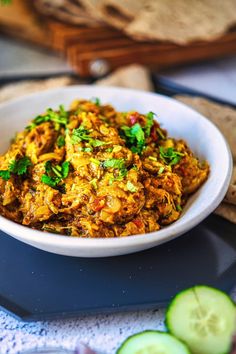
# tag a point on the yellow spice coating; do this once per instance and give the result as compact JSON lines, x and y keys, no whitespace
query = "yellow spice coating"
{"x":141,"y":192}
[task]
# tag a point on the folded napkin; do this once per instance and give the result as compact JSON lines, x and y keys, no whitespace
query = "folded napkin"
{"x":137,"y":76}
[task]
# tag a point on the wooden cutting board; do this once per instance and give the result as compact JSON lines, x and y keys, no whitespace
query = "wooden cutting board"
{"x":19,"y":20}
{"x":95,"y":51}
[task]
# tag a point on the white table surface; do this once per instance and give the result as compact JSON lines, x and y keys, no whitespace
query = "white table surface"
{"x":103,"y":332}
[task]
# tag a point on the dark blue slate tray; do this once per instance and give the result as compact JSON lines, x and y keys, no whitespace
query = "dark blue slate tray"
{"x":36,"y":285}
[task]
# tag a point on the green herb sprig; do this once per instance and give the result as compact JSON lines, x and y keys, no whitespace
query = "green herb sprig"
{"x":83,"y":134}
{"x":170,"y":156}
{"x":96,"y":101}
{"x":61,"y":141}
{"x":59,"y":118}
{"x":149,"y":123}
{"x":55,"y":174}
{"x":134,"y":137}
{"x":16,"y":167}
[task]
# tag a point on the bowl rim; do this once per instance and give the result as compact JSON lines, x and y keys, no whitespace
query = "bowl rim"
{"x":162,"y":235}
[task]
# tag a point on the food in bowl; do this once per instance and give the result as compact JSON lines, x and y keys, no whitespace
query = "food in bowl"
{"x":95,"y":172}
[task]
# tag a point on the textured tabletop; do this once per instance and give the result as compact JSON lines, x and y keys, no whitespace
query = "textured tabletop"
{"x":103,"y":332}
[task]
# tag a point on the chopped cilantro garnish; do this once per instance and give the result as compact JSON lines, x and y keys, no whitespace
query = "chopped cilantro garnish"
{"x":50,"y":181}
{"x":170,"y":156}
{"x":178,"y":207}
{"x":87,"y":149}
{"x":135,"y":167}
{"x":96,"y":142}
{"x":17,"y":167}
{"x":122,"y":174}
{"x":60,"y":141}
{"x":149,"y":123}
{"x":20,"y":166}
{"x":161,"y":169}
{"x":59,"y":118}
{"x":5,"y":174}
{"x":131,"y":187}
{"x":82,"y":134}
{"x":109,"y":149}
{"x":134,"y":137}
{"x":55,"y":174}
{"x":48,"y":167}
{"x":114,"y":163}
{"x":96,"y":100}
{"x":65,"y":167}
{"x":161,"y":135}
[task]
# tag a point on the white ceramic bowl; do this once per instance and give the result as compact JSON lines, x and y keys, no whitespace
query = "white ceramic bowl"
{"x":181,"y":122}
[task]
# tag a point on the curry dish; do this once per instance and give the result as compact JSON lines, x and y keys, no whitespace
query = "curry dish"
{"x":95,"y":172}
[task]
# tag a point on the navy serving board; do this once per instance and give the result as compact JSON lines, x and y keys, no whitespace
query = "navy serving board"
{"x":36,"y":285}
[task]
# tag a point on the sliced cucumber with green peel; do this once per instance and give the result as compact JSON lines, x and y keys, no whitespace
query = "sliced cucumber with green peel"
{"x":153,"y":342}
{"x":204,"y":318}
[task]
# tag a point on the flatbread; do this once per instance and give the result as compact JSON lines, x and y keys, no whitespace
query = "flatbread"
{"x":133,"y":76}
{"x":227,"y":211}
{"x":92,"y":8}
{"x":120,"y":13}
{"x":224,"y":117}
{"x":183,"y":21}
{"x":65,"y":10}
{"x":17,"y":89}
{"x":231,"y":193}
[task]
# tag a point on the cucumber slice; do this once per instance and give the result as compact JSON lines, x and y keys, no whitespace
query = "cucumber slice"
{"x":152,"y":342}
{"x":204,"y":318}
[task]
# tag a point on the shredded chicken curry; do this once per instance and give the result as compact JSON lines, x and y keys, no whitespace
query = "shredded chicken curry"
{"x":95,"y":172}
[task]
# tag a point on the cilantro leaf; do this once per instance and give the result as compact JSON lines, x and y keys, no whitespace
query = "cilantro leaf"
{"x":149,"y":123}
{"x":48,"y":167}
{"x":50,"y":181}
{"x":65,"y":168}
{"x":114,"y":163}
{"x":117,"y":164}
{"x":55,"y":174}
{"x":82,"y":134}
{"x":134,"y":137}
{"x":96,"y":142}
{"x":170,"y":156}
{"x":178,"y":207}
{"x":59,"y":118}
{"x":60,"y":141}
{"x":18,"y":167}
{"x":160,"y":133}
{"x":87,"y":149}
{"x":110,"y":149}
{"x":161,"y":169}
{"x":5,"y":174}
{"x":96,"y":100}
